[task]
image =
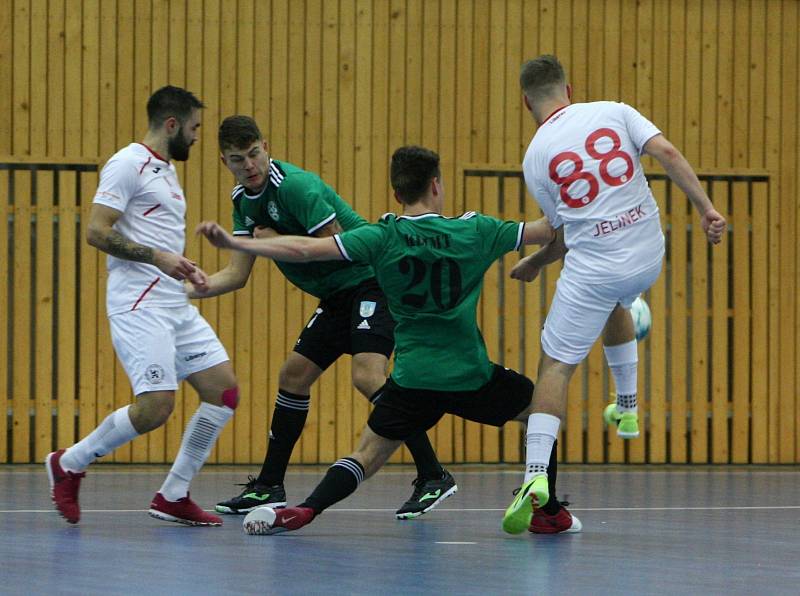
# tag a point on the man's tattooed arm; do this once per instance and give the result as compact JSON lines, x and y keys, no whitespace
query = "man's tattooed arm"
{"x":118,"y":246}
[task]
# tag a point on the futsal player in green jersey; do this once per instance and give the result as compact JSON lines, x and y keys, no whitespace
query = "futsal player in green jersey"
{"x":431,"y":269}
{"x":275,"y":197}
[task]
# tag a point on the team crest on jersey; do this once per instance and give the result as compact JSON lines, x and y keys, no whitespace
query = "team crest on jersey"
{"x":367,"y":308}
{"x":272,"y":209}
{"x":154,"y":374}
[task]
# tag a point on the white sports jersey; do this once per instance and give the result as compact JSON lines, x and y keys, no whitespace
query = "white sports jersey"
{"x":145,"y":188}
{"x":583,"y":169}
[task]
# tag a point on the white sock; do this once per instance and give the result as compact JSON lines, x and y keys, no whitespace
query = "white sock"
{"x":623,"y":361}
{"x":114,"y":431}
{"x":198,"y":439}
{"x":542,"y":433}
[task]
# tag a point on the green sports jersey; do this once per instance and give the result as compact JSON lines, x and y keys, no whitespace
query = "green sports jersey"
{"x":299,"y":203}
{"x":431,"y":269}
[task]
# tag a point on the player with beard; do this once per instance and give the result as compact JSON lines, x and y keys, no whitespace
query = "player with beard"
{"x":138,"y":218}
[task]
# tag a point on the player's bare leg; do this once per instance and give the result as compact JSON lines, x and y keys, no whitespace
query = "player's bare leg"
{"x":619,"y":344}
{"x":67,"y":467}
{"x":219,"y":396}
{"x":547,"y":409}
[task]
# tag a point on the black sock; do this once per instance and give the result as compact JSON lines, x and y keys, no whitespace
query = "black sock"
{"x":340,"y":482}
{"x":428,"y":466}
{"x":552,"y":506}
{"x":288,"y":419}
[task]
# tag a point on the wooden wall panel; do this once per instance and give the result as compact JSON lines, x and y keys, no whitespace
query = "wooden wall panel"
{"x":336,"y":87}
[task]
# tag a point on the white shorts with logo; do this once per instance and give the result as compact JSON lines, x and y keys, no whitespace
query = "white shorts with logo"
{"x":159,"y":347}
{"x":579,"y":312}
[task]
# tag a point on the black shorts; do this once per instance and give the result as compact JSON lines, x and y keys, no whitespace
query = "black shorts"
{"x":401,"y":413}
{"x":352,"y":321}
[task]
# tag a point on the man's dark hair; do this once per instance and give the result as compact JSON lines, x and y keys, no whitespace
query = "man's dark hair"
{"x":541,"y":76}
{"x":412,"y":170}
{"x":171,"y":102}
{"x":238,"y":132}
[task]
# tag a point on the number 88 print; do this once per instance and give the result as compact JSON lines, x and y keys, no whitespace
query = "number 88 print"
{"x":578,"y":172}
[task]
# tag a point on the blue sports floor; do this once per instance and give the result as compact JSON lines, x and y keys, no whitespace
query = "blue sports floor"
{"x":655,"y":530}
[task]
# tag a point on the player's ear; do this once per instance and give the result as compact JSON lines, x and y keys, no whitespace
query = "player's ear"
{"x":527,"y":103}
{"x":397,"y":198}
{"x":222,"y":159}
{"x":569,"y":92}
{"x":171,"y":124}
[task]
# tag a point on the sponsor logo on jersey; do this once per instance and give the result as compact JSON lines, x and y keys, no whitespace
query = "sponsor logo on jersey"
{"x":154,"y":374}
{"x":272,"y":209}
{"x":194,"y":356}
{"x":156,"y":170}
{"x":363,"y":325}
{"x":367,"y":309}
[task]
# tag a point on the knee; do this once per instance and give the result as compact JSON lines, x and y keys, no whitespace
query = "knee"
{"x":295,"y":377}
{"x":367,"y":380}
{"x":230,"y":397}
{"x":150,"y":414}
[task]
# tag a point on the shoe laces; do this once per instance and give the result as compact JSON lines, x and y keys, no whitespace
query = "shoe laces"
{"x":418,"y":484}
{"x":251,"y":482}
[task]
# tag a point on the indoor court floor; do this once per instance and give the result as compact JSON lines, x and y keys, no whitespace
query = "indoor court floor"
{"x":653,"y":530}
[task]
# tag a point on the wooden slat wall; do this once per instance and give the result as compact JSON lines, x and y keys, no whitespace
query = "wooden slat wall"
{"x":336,"y":86}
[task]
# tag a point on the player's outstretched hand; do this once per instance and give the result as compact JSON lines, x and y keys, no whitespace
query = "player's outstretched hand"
{"x":175,"y":265}
{"x":526,"y":269}
{"x":713,"y":225}
{"x":216,"y":234}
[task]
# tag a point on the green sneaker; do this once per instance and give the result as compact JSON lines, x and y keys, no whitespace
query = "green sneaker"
{"x":534,"y":493}
{"x":627,"y":422}
{"x":252,"y":497}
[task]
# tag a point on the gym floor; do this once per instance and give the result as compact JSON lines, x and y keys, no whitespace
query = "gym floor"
{"x":646,"y":530}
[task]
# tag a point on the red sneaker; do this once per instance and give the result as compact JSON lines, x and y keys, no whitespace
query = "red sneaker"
{"x":64,"y":487}
{"x":266,"y":520}
{"x":561,"y":522}
{"x":183,"y":511}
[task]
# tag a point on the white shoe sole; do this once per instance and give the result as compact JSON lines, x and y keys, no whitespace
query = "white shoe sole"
{"x":434,"y":505}
{"x":178,"y":520}
{"x":259,"y":522}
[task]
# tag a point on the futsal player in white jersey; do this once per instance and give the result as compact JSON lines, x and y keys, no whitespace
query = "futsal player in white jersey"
{"x":138,"y":218}
{"x":583,"y":168}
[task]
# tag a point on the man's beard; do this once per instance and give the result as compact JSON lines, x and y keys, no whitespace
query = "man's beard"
{"x":178,"y":147}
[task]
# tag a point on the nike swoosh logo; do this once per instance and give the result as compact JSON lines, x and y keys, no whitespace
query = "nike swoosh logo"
{"x":256,"y":496}
{"x":433,"y":495}
{"x":288,"y":519}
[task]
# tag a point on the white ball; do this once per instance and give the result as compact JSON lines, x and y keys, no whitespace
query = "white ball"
{"x":641,"y":318}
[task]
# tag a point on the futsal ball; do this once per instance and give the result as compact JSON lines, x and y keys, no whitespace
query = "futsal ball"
{"x":641,"y":318}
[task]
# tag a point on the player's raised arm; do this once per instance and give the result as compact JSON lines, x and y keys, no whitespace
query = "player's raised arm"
{"x":681,"y":173}
{"x":291,"y":249}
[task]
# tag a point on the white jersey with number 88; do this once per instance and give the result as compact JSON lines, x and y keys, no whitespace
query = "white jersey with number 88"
{"x":583,"y":169}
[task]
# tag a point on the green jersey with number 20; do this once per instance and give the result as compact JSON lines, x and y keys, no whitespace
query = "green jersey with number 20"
{"x":431,"y":269}
{"x":300,"y":203}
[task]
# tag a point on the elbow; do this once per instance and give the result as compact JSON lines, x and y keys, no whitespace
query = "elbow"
{"x":94,"y":236}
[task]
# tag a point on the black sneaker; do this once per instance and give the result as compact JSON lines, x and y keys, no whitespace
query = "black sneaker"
{"x":253,"y":496}
{"x":427,"y":495}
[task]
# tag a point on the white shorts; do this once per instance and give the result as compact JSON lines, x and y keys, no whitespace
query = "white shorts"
{"x":159,"y":347}
{"x":579,"y":312}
